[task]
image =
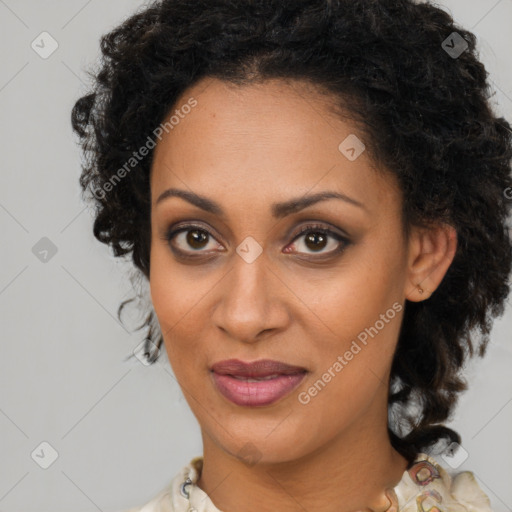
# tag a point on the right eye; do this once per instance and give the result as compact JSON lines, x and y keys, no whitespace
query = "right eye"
{"x":190,"y":239}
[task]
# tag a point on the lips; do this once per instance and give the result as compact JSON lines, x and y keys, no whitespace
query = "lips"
{"x":259,"y":383}
{"x":255,"y":370}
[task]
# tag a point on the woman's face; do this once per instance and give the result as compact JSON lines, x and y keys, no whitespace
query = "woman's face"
{"x":242,"y":283}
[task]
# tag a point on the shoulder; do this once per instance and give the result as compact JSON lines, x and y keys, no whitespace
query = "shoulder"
{"x":173,"y":498}
{"x":160,"y":503}
{"x":428,"y":485}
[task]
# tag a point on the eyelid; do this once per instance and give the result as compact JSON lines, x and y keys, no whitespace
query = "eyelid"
{"x":322,"y":226}
{"x":175,"y":229}
{"x":309,"y":226}
{"x":342,"y":241}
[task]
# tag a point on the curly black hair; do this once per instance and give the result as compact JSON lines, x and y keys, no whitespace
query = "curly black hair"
{"x":407,"y":75}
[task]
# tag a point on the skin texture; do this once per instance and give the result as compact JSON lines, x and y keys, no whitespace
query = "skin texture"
{"x":246,"y":148}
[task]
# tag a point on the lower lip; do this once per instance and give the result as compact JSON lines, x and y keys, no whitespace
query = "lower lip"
{"x":263,"y":392}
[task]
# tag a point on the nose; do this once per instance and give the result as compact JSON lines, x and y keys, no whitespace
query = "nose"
{"x":251,"y":301}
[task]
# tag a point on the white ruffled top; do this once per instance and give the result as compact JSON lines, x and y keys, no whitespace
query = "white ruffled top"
{"x":425,"y":487}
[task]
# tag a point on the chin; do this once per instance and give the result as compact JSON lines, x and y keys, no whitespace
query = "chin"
{"x":257,"y":446}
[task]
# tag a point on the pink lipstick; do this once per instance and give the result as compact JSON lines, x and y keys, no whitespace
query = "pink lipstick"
{"x":258,"y":383}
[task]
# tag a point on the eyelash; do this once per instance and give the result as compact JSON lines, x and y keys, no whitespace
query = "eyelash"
{"x":310,"y":228}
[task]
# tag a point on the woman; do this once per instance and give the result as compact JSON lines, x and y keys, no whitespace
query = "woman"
{"x":312,"y":189}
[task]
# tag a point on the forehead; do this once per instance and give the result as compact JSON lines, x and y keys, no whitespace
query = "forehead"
{"x":248,"y":114}
{"x":270,"y":139}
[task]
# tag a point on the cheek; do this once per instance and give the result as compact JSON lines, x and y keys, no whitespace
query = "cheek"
{"x":169,"y":301}
{"x":354,"y":313}
{"x":178,"y":295}
{"x":351,"y":371}
{"x":174,"y":291}
{"x":337,"y":305}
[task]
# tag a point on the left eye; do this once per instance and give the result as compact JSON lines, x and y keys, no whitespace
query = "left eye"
{"x":316,"y":238}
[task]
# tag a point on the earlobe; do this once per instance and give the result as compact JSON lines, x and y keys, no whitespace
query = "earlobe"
{"x":431,"y":252}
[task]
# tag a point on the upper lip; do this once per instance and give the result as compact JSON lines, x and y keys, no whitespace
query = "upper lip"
{"x":259,"y":368}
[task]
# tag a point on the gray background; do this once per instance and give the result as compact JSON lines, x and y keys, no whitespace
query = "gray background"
{"x":121,"y":429}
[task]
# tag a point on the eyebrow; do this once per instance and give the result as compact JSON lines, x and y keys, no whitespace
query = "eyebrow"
{"x":278,"y":210}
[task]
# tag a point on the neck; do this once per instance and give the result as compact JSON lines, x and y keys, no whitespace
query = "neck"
{"x":351,"y":473}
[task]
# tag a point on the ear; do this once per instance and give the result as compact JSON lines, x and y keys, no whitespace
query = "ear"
{"x":430,"y":253}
